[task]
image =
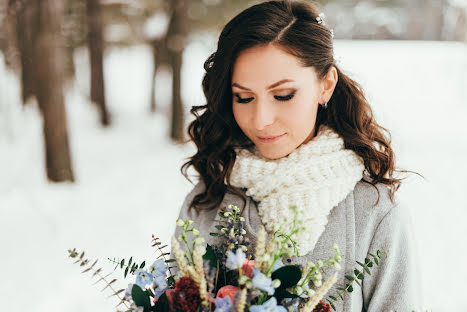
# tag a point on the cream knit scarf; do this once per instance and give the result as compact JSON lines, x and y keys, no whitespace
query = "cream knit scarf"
{"x":315,"y":177}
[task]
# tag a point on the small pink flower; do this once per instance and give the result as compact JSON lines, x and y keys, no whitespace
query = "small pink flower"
{"x":247,"y":268}
{"x":228,"y":290}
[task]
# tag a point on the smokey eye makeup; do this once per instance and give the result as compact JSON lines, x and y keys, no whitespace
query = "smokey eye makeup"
{"x":277,"y":97}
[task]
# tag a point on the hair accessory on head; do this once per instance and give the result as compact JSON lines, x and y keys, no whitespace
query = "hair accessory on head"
{"x":320,"y":19}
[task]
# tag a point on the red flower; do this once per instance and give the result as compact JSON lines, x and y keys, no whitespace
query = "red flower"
{"x":228,"y":290}
{"x":322,"y":307}
{"x":185,"y":296}
{"x":247,"y":268}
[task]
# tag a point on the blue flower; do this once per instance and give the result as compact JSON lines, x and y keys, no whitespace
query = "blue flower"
{"x":128,"y":291}
{"x":224,"y":305}
{"x":159,"y":267}
{"x":268,"y":306}
{"x":262,"y":282}
{"x":160,"y":285}
{"x":235,"y":260}
{"x":143,"y":278}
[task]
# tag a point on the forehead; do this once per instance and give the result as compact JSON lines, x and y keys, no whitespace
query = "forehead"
{"x":262,"y":65}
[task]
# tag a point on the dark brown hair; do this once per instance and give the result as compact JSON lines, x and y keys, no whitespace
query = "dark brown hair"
{"x":292,"y":26}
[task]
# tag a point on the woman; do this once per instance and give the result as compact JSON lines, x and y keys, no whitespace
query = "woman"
{"x":284,"y":125}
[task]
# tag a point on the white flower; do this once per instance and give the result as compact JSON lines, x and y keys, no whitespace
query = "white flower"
{"x":235,"y":260}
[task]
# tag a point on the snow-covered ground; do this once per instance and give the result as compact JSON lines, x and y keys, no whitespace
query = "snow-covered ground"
{"x":129,"y":185}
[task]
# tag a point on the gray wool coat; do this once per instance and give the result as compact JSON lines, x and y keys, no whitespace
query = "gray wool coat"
{"x":358,"y":228}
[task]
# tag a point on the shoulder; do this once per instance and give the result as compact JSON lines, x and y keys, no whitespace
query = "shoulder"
{"x":373,"y":215}
{"x":185,"y":211}
{"x":373,"y":201}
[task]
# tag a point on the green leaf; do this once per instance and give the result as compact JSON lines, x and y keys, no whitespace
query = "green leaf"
{"x":219,"y":227}
{"x":361,"y":263}
{"x":170,"y":260}
{"x":122,"y":263}
{"x":129,"y":262}
{"x":340,"y":288}
{"x":140,"y":297}
{"x":349,"y":277}
{"x":367,"y":260}
{"x":142,"y":264}
{"x":289,"y":275}
{"x":350,"y":289}
{"x":367,"y":271}
{"x":332,"y":297}
{"x":210,"y":256}
{"x":356,"y":272}
{"x":162,"y":304}
{"x":376,"y":261}
{"x":171,"y":280}
{"x":332,"y":306}
{"x":214,"y":234}
{"x":378,"y":253}
{"x":126,"y":272}
{"x":281,"y":293}
{"x":356,"y":281}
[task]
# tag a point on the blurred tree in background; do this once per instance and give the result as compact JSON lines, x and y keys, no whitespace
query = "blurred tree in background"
{"x":38,"y":39}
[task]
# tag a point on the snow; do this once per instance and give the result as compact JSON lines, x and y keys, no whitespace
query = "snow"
{"x":129,"y":184}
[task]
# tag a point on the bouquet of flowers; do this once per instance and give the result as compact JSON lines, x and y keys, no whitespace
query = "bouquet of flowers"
{"x":230,"y":275}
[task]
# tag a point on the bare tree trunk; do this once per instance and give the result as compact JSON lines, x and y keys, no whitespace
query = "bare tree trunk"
{"x":48,"y":77}
{"x":24,"y":22}
{"x":160,"y":55}
{"x":96,"y":44}
{"x":176,"y":40}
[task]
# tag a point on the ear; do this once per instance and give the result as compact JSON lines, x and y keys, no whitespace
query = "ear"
{"x":328,"y":84}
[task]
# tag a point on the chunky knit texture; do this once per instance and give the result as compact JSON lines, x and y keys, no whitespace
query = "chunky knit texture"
{"x":315,"y":177}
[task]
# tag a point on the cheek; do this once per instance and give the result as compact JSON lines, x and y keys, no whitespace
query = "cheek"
{"x":240,"y":116}
{"x":301,"y":114}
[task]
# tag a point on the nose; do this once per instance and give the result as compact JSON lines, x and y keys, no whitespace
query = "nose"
{"x":263,"y":116}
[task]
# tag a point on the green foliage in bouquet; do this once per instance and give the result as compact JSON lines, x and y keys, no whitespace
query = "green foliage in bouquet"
{"x":84,"y":262}
{"x":229,"y":275}
{"x":358,"y":275}
{"x":130,"y":266}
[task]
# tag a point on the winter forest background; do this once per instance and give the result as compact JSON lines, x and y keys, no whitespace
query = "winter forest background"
{"x":94,"y":103}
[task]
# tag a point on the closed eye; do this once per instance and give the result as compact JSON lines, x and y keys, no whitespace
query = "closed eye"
{"x":286,"y":97}
{"x":240,"y":100}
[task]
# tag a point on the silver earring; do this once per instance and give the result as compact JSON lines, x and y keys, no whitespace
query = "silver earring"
{"x":325,"y":105}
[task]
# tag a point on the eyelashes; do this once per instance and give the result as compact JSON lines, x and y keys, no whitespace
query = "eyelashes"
{"x":277,"y":97}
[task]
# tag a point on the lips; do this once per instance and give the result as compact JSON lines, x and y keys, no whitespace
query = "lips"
{"x":269,"y":139}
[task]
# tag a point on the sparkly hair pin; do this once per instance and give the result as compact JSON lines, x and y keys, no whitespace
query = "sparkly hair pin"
{"x":320,"y":19}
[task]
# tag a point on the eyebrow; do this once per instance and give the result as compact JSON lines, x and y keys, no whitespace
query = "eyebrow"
{"x":270,"y":87}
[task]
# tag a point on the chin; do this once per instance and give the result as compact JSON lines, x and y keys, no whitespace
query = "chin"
{"x":273,"y":153}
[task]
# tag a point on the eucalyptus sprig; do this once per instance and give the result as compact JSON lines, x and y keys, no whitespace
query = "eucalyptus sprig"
{"x":72,"y":253}
{"x":359,"y":275}
{"x":130,"y":266}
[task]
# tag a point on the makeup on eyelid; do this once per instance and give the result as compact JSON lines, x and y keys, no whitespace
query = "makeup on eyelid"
{"x":277,"y":97}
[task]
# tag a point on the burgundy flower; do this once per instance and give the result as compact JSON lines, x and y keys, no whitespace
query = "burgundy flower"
{"x":322,"y":307}
{"x":185,"y":297}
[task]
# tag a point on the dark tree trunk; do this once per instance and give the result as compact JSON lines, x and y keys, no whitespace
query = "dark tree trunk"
{"x":48,"y":78}
{"x":160,"y":57}
{"x":96,"y":47}
{"x":176,"y":40}
{"x":25,"y":24}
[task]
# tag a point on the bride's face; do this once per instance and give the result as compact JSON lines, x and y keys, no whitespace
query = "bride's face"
{"x":275,"y":99}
